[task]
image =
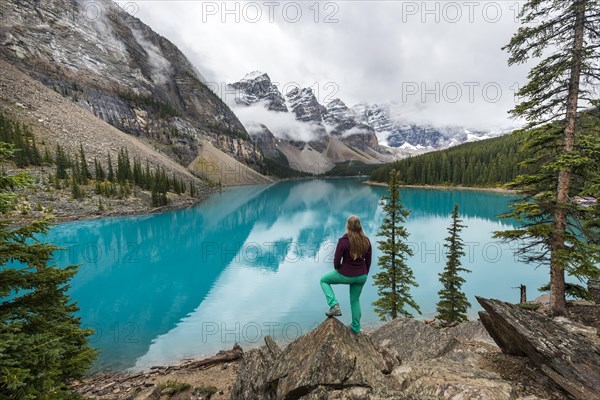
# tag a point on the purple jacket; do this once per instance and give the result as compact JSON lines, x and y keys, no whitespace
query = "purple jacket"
{"x":344,"y":263}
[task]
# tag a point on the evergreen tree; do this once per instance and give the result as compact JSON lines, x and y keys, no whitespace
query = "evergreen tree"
{"x":453,"y":304}
{"x":490,"y":162}
{"x":396,"y":277}
{"x":111,"y":172}
{"x":99,"y":171}
{"x":558,"y":87}
{"x":147,"y":177}
{"x":62,"y":163}
{"x":42,"y":345}
{"x":47,"y":156}
{"x":76,"y":190}
{"x":85,"y":172}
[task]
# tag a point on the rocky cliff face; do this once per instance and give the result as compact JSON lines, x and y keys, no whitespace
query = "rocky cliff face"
{"x":305,"y":105}
{"x":114,"y":65}
{"x":329,"y":359}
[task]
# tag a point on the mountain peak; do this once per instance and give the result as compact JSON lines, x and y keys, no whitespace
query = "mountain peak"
{"x":256,"y":88}
{"x":336,"y":104}
{"x":255,"y":75}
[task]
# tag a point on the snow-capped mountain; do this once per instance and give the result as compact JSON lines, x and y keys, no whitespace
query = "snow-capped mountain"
{"x":346,"y":123}
{"x":336,"y":135}
{"x":305,"y":105}
{"x":395,"y":132}
{"x":338,"y":130}
{"x":256,"y":87}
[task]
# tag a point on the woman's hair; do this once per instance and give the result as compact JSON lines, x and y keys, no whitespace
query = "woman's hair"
{"x":359,"y":244}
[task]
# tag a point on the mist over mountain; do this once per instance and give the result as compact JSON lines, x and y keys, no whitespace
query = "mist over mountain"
{"x":298,"y":116}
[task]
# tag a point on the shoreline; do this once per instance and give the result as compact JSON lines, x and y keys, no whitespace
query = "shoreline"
{"x":56,"y":218}
{"x":181,"y":204}
{"x":442,"y":187}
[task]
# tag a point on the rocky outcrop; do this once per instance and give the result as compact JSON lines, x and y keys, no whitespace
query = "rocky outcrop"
{"x":107,"y":61}
{"x":404,"y":359}
{"x":330,"y":358}
{"x":414,"y":340}
{"x":443,"y":363}
{"x":569,"y":359}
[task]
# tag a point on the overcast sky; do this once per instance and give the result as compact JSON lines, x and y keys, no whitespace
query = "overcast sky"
{"x":441,"y":61}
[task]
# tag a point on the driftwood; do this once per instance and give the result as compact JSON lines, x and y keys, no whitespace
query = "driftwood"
{"x":571,"y":360}
{"x":222,"y":356}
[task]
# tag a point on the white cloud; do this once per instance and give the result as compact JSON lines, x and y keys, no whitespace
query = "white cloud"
{"x":283,"y":125}
{"x":376,"y":52}
{"x":161,"y":67}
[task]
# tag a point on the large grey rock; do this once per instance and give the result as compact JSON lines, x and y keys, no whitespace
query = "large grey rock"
{"x":414,"y":340}
{"x":331,"y":357}
{"x":441,"y":379}
{"x":443,"y":363}
{"x":569,"y":359}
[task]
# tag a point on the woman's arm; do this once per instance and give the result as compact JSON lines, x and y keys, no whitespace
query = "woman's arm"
{"x":339,"y":252}
{"x":368,"y":257}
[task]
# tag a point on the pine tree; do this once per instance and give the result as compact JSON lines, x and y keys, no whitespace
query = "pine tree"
{"x":111,"y":172}
{"x":42,"y":345}
{"x":396,"y":277}
{"x":84,"y":171}
{"x":192,"y":189}
{"x":147,"y":184}
{"x":76,"y":190}
{"x":453,"y":304}
{"x":557,"y":85}
{"x":62,"y":163}
{"x":47,"y":156}
{"x":99,"y":171}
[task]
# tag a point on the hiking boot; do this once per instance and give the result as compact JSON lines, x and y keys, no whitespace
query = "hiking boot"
{"x":334,"y":311}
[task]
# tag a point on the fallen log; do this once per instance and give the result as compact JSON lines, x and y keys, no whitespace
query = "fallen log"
{"x":222,"y":356}
{"x":571,"y":360}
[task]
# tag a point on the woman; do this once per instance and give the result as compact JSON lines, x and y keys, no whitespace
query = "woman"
{"x":351,"y":262}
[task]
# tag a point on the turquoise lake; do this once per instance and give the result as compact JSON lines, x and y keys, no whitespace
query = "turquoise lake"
{"x":246,"y":263}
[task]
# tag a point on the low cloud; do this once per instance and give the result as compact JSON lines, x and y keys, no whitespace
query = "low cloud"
{"x":354,"y":131}
{"x":161,"y":67}
{"x":283,"y":124}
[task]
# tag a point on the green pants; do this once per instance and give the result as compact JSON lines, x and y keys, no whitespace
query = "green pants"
{"x":356,"y":285}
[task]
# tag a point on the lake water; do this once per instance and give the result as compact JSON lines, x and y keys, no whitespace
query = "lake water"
{"x":246,"y":263}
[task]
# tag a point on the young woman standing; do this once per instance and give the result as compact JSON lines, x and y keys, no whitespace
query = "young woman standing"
{"x":351,"y":263}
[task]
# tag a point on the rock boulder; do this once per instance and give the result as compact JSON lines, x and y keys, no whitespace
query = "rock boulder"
{"x":569,"y":359}
{"x":330,"y":358}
